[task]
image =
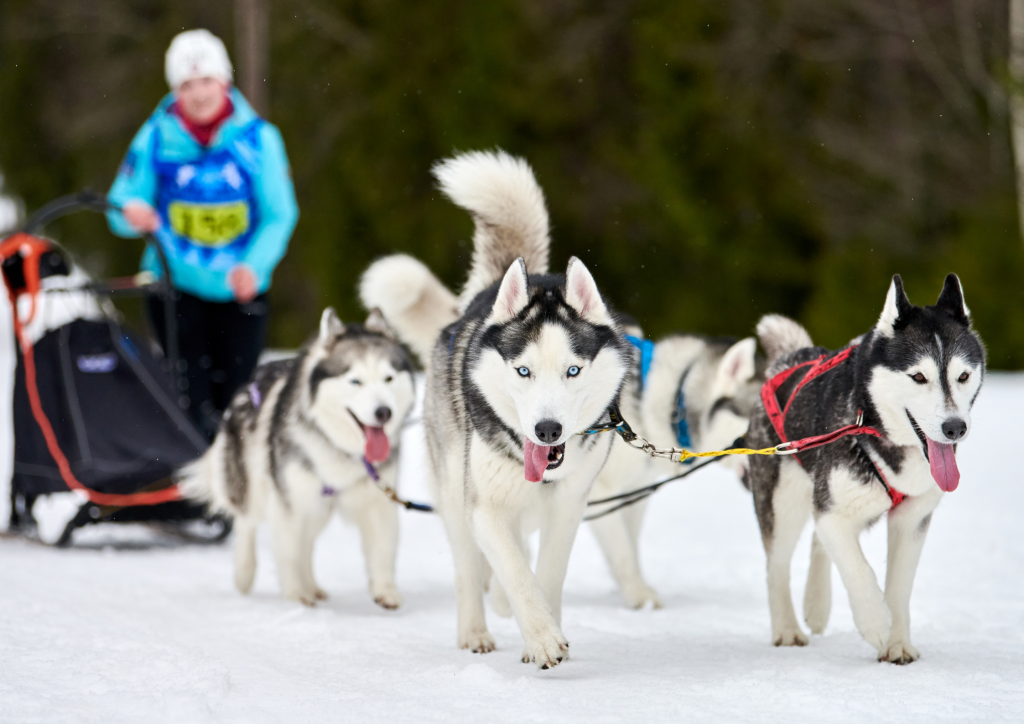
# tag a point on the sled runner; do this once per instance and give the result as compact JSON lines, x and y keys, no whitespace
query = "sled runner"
{"x":95,"y":410}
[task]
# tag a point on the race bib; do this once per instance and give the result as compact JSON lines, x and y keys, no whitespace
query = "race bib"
{"x":209,"y":224}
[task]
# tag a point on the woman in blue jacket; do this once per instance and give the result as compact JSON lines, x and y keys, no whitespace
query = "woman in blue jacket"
{"x":210,"y":179}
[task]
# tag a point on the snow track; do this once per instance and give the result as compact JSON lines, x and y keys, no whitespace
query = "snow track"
{"x":130,"y":626}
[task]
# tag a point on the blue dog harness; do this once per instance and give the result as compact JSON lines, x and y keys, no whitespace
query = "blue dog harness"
{"x":682,"y":428}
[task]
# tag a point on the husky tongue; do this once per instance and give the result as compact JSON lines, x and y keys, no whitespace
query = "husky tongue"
{"x":943,"y":463}
{"x":536,"y":458}
{"x":377,"y":446}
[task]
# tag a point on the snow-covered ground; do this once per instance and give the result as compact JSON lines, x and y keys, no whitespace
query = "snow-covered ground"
{"x":133,"y":627}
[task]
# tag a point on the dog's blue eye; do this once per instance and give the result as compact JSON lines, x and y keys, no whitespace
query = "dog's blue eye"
{"x":573,"y":371}
{"x":356,"y":382}
{"x":523,"y":371}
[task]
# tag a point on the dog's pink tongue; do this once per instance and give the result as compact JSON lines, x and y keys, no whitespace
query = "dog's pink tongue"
{"x":943,"y":463}
{"x":377,"y":445}
{"x":536,"y":458}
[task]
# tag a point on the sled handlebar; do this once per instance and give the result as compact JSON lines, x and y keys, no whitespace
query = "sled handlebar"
{"x":89,"y":200}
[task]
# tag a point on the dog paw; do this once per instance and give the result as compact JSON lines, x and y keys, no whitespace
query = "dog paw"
{"x":874,"y":623}
{"x":790,"y":637}
{"x":388,"y":601}
{"x":817,"y":609}
{"x":899,"y":654}
{"x":479,"y":643}
{"x":547,"y":652}
{"x":387,"y":597}
{"x":816,"y":617}
{"x":306,"y":598}
{"x":640,"y":596}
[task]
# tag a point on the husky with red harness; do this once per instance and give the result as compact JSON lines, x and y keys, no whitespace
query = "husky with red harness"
{"x":879,"y":422}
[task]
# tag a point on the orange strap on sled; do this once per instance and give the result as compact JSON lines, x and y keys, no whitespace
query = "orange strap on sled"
{"x":31,"y":249}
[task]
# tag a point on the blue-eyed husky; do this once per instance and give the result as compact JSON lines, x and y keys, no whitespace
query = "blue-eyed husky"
{"x":527,"y":360}
{"x":913,"y":380}
{"x":305,"y":438}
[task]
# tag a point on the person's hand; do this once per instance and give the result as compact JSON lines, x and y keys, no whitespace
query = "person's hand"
{"x":242,"y":281}
{"x":141,"y":216}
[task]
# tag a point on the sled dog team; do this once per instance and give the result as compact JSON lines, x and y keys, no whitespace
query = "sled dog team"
{"x":520,"y":362}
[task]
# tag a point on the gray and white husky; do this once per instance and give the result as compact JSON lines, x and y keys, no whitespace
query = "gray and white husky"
{"x":707,"y":387}
{"x":914,"y":377}
{"x":698,"y":393}
{"x":304,"y":439}
{"x":527,"y":360}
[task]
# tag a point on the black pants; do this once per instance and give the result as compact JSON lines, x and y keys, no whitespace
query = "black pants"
{"x":219,"y":344}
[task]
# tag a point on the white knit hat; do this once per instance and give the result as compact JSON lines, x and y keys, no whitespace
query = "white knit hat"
{"x":196,"y":54}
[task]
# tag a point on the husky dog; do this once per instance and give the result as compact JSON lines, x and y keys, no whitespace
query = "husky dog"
{"x":306,"y":438}
{"x":697,"y":393}
{"x":705,"y":387}
{"x":914,"y":377}
{"x":528,"y":360}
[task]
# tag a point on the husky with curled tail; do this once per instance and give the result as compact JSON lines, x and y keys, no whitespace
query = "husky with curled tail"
{"x":306,"y":438}
{"x":685,"y":390}
{"x":912,"y":380}
{"x":525,"y":361}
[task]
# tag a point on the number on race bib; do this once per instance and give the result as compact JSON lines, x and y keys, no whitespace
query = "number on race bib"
{"x":209,"y":224}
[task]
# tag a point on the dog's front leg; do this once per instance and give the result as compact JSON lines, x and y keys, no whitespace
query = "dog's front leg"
{"x":377,"y":518}
{"x":908,"y":528}
{"x":245,"y":553}
{"x":840,"y":536}
{"x":559,"y":524}
{"x":314,"y":523}
{"x":497,"y":531}
{"x":286,"y":527}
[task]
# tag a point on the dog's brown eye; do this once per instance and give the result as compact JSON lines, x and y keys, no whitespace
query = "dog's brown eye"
{"x":388,"y":378}
{"x":963,"y":377}
{"x":919,"y":378}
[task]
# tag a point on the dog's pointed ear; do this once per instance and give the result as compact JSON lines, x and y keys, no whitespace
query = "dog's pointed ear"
{"x":375,"y":322}
{"x":513,"y":294}
{"x":951,"y":300}
{"x":896,"y":306}
{"x":738,"y":364}
{"x":330,"y":326}
{"x":582,"y":295}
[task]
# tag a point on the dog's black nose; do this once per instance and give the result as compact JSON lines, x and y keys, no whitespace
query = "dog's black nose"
{"x":383,"y":414}
{"x":548,"y":431}
{"x":954,"y":428}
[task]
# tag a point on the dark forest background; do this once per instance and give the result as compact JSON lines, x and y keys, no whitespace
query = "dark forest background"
{"x":710,"y":160}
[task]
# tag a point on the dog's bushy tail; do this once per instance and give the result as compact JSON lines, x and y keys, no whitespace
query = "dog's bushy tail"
{"x":413,"y":301}
{"x":781,"y":336}
{"x":195,"y":481}
{"x":508,"y":209}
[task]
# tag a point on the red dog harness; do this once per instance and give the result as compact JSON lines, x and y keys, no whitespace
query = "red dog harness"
{"x":777,"y":414}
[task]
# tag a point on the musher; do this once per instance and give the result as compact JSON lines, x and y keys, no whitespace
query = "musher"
{"x":211,"y":180}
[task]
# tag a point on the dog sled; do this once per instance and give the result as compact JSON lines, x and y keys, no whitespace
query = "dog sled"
{"x":96,"y":419}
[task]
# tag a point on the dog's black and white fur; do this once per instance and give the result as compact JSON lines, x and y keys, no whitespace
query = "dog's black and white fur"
{"x":718,"y":381}
{"x":294,"y":445}
{"x":527,"y":360}
{"x":915,"y":376}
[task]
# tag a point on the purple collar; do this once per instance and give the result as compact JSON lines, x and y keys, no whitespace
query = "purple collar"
{"x":254,"y":395}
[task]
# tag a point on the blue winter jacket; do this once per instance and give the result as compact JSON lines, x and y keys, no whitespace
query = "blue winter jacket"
{"x":228,"y":203}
